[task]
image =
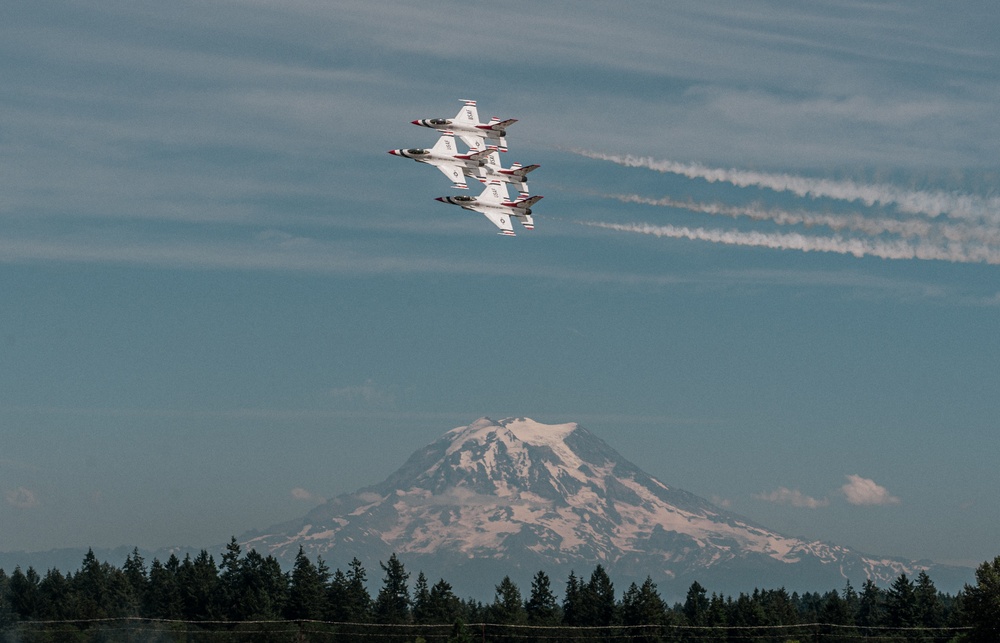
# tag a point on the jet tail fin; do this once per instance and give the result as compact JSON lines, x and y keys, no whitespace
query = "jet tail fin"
{"x":468,"y":114}
{"x":525,"y":203}
{"x":481,"y":155}
{"x":495,"y":192}
{"x":520,"y":172}
{"x":497,"y":124}
{"x":445,"y":145}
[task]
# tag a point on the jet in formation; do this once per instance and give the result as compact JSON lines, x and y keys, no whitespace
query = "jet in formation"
{"x":443,"y":156}
{"x":466,"y":124}
{"x":495,"y":204}
{"x":481,"y":162}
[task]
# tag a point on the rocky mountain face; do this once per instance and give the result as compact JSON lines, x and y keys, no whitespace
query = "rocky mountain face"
{"x":516,"y":496}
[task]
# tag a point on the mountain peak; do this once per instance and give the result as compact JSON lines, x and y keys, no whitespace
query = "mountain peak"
{"x":527,"y":495}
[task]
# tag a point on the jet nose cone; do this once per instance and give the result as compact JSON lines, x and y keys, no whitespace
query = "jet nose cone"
{"x":415,"y":122}
{"x":439,"y":198}
{"x":394,"y":152}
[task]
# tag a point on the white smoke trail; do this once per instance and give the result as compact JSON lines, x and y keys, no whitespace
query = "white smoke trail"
{"x":909,"y":228}
{"x":932,"y":204}
{"x":885,"y":249}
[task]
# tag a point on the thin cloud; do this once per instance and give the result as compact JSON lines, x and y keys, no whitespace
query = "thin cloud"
{"x":21,"y":498}
{"x":368,"y":394}
{"x":865,"y":492}
{"x":304,"y":495}
{"x":793,"y":497}
{"x":719,"y":501}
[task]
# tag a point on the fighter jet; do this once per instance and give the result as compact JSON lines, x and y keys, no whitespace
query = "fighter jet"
{"x":467,"y":126}
{"x":443,"y":156}
{"x":516,"y":175}
{"x":495,"y":204}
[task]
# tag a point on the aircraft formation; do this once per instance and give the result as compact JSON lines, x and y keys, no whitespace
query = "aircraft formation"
{"x":481,"y":162}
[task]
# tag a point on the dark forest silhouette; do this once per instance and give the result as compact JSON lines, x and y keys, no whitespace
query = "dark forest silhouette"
{"x":247,"y":596}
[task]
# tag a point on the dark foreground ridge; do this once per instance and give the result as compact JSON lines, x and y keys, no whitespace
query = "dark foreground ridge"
{"x":247,"y":597}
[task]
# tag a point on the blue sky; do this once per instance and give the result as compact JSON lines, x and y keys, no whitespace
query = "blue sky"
{"x":224,"y":302}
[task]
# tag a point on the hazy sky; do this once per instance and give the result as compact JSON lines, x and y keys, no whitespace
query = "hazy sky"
{"x":766,"y":268}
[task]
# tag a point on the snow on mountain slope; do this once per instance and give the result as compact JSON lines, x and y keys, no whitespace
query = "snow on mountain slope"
{"x":534,"y":496}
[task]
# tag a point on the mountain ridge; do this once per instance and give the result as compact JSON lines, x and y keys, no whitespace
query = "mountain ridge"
{"x":520,"y":495}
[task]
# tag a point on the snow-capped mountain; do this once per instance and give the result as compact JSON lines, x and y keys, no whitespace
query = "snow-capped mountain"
{"x":516,"y":496}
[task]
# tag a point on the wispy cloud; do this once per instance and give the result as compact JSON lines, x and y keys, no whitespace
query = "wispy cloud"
{"x":368,"y":394}
{"x":21,"y":498}
{"x":719,"y":501}
{"x":793,"y":497}
{"x":304,"y":495}
{"x":866,"y":492}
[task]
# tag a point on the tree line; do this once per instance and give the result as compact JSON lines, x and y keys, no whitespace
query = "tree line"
{"x":247,"y":596}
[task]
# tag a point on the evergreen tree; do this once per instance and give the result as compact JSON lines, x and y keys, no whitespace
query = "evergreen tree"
{"x":230,"y":581}
{"x":696,"y":604}
{"x":307,"y":590}
{"x":981,"y":603}
{"x":871,"y":609}
{"x":164,"y":597}
{"x":443,"y":605}
{"x":252,"y":587}
{"x":541,"y":607}
{"x":809,"y":607}
{"x":460,"y":633}
{"x":263,"y":588}
{"x":747,"y":613}
{"x":778,"y":607}
{"x":392,"y":604}
{"x":90,"y":585}
{"x":23,"y":593}
{"x":358,"y":600}
{"x":930,"y":610}
{"x":55,"y":597}
{"x":348,"y":600}
{"x":137,"y":579}
{"x":507,"y":607}
{"x":336,"y":599}
{"x":199,"y":588}
{"x":851,"y":601}
{"x":901,"y":603}
{"x":718,"y":611}
{"x":837,"y":619}
{"x":599,"y":608}
{"x":421,"y":600}
{"x":571,"y":601}
{"x":6,"y":612}
{"x":644,"y":610}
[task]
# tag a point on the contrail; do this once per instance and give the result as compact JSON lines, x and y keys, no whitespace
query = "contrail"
{"x":908,"y":228}
{"x":885,"y":249}
{"x":932,"y":204}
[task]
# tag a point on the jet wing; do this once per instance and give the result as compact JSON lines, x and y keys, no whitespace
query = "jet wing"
{"x":526,"y":220}
{"x":473,"y":140}
{"x":453,"y":172}
{"x":499,"y":219}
